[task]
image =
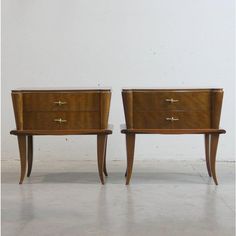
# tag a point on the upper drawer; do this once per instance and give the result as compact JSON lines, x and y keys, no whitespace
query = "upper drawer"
{"x":176,"y":100}
{"x":83,"y":101}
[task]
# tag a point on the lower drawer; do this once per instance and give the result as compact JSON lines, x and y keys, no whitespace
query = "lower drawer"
{"x":61,"y":120}
{"x":171,"y":120}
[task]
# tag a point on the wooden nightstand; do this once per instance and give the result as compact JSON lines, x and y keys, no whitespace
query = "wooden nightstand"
{"x":173,"y":111}
{"x":61,"y":112}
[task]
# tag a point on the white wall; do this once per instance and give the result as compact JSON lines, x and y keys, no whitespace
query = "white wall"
{"x":125,"y":43}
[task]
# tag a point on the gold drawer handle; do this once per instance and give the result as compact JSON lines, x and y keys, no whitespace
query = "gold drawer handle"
{"x":171,"y":100}
{"x":59,"y":103}
{"x":172,"y":119}
{"x":60,"y":120}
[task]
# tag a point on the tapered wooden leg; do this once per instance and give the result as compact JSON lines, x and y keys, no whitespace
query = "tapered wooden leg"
{"x":22,"y":149}
{"x":126,"y":172}
{"x":105,"y":155}
{"x":101,"y":143}
{"x":207,"y":153}
{"x":213,"y":151}
{"x":130,"y":144}
{"x":30,"y":154}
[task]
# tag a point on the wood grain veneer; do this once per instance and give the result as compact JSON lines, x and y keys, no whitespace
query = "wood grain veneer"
{"x":173,"y":111}
{"x":60,"y":112}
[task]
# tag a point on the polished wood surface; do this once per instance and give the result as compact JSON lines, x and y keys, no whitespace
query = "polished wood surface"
{"x":63,"y":132}
{"x":101,"y":150}
{"x":23,"y":161}
{"x":105,"y":156}
{"x":130,"y":145}
{"x":163,"y":119}
{"x":207,"y":153}
{"x":70,"y":120}
{"x":171,"y":131}
{"x":61,"y":89}
{"x":48,"y":101}
{"x":161,"y":100}
{"x":30,"y":154}
{"x":213,"y":151}
{"x":61,"y":112}
{"x":17,"y":100}
{"x":174,"y":111}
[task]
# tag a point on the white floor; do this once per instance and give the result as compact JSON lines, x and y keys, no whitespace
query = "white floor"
{"x":164,"y":198}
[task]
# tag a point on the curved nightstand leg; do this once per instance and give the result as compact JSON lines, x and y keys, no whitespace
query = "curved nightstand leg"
{"x":22,"y":149}
{"x":214,"y":144}
{"x":101,"y":141}
{"x":207,"y":153}
{"x":130,"y":144}
{"x":30,"y":154}
{"x":126,"y":172}
{"x":105,"y":155}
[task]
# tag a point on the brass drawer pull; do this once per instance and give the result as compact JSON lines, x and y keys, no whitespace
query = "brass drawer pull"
{"x":172,"y":119}
{"x":59,"y":103}
{"x":171,"y":100}
{"x":60,"y":120}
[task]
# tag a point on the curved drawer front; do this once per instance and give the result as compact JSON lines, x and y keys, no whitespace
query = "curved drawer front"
{"x":84,"y":101}
{"x":61,"y":120}
{"x":171,"y":120}
{"x":189,"y":101}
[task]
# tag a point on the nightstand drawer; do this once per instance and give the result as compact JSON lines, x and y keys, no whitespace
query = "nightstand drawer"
{"x":61,"y":120}
{"x":189,"y":101}
{"x":171,"y":120}
{"x":84,"y":101}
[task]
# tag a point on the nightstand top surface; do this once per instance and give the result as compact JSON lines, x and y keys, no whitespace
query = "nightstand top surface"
{"x":62,"y":89}
{"x":177,"y":89}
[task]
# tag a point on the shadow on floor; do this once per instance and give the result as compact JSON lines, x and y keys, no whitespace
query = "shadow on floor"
{"x":113,"y":178}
